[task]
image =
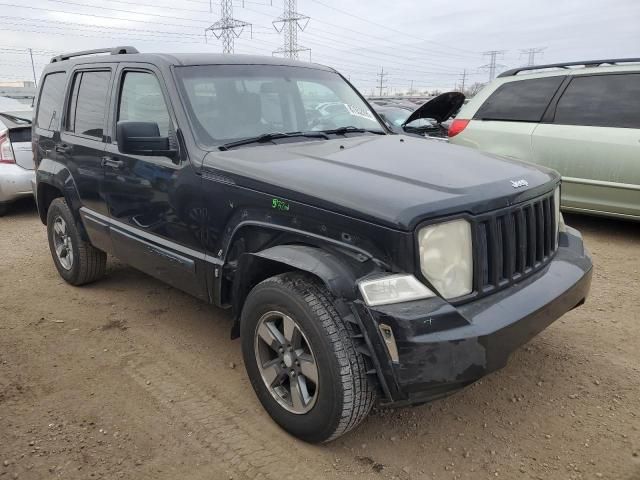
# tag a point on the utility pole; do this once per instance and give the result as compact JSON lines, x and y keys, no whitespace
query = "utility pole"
{"x":227,"y":28}
{"x":411,"y":88}
{"x":382,"y":82}
{"x":531,"y":53}
{"x":492,"y":65}
{"x":289,"y":23}
{"x":463,"y":80}
{"x":33,"y":69}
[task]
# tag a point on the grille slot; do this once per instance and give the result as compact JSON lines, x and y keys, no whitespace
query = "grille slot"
{"x":514,"y":243}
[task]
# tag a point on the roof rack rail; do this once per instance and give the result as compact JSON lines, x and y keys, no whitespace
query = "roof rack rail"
{"x":111,"y":51}
{"x":587,"y":63}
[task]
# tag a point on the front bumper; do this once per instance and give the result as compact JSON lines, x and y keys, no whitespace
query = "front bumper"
{"x":15,"y":182}
{"x":443,"y":348}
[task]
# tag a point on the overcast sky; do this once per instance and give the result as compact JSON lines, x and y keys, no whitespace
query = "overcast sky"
{"x":428,"y":42}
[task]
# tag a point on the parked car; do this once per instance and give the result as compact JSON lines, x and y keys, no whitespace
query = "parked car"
{"x":361,"y":266}
{"x":581,"y":119}
{"x":428,"y":119}
{"x":16,"y":158}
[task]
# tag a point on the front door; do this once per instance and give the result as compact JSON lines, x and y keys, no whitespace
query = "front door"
{"x":153,"y":201}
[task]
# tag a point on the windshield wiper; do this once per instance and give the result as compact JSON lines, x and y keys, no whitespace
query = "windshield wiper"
{"x":351,"y":129}
{"x":269,"y":137}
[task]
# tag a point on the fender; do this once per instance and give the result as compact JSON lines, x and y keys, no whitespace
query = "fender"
{"x":338,"y":272}
{"x":57,"y":175}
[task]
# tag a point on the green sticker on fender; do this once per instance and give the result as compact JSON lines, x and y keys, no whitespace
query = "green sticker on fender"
{"x":279,"y":204}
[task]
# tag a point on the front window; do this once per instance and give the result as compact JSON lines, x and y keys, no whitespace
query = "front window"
{"x":235,"y":102}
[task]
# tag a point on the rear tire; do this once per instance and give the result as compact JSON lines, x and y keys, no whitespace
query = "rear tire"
{"x":4,"y":209}
{"x":338,"y":394}
{"x":77,"y":261}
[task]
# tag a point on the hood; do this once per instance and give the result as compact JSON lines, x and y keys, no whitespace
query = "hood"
{"x":440,"y":108}
{"x":393,"y":180}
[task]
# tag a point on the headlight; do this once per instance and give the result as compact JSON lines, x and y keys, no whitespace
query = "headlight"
{"x":393,"y":289}
{"x":446,"y":257}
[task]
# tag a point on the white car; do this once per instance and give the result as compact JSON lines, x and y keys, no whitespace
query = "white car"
{"x":16,"y":157}
{"x":581,"y":119}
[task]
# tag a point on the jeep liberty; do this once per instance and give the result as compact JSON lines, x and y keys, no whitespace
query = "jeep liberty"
{"x":361,"y":266}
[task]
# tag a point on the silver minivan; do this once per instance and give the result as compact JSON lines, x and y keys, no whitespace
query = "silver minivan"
{"x":581,"y":119}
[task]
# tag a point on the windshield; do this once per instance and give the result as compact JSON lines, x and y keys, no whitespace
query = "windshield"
{"x":234,"y":102}
{"x":396,"y":116}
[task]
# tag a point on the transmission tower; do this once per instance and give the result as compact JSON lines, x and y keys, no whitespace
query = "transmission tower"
{"x":289,"y":23}
{"x":531,"y":53}
{"x":463,"y":80}
{"x":227,"y":28}
{"x":492,"y":65}
{"x":382,"y":82}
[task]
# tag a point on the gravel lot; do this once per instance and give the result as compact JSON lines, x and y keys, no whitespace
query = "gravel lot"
{"x":128,"y":378}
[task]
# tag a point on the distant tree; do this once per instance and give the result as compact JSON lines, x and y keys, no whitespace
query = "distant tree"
{"x":473,"y":89}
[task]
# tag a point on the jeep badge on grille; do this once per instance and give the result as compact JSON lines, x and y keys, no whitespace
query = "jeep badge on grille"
{"x":519,"y":183}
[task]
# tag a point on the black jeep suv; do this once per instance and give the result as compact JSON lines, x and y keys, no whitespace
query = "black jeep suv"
{"x":360,"y":265}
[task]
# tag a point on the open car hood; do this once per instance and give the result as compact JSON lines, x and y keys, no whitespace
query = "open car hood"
{"x":440,"y":108}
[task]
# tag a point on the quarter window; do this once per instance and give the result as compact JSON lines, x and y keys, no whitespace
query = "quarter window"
{"x":50,"y":105}
{"x":520,"y":101}
{"x":141,"y":100}
{"x":601,"y":101}
{"x":89,"y":103}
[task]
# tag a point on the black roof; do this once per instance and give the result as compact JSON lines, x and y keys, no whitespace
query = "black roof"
{"x":131,"y":54}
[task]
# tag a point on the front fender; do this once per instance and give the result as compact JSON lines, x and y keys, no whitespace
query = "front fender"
{"x":338,"y":272}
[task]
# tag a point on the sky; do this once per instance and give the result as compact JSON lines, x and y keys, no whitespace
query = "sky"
{"x":424,"y":43}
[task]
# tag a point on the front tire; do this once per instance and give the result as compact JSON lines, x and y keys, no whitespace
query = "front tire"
{"x":302,"y":360}
{"x":78,"y":262}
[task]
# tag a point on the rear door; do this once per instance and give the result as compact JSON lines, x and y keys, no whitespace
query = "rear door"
{"x":504,"y":123}
{"x":154,"y":201}
{"x":82,"y":138}
{"x":593,"y":139}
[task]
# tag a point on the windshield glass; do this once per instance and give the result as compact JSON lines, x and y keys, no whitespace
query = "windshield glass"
{"x":234,"y":102}
{"x":396,"y":116}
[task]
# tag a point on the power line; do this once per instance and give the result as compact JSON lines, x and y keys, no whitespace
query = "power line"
{"x":289,"y":23}
{"x":227,"y":28}
{"x":531,"y":53}
{"x":492,"y":65}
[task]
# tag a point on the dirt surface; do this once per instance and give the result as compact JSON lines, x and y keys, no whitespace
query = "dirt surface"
{"x":128,"y":378}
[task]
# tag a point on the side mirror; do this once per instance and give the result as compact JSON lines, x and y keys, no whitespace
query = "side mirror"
{"x":143,"y":138}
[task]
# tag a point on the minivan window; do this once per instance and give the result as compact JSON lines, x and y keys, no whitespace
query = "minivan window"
{"x":50,"y":104}
{"x":141,"y":100}
{"x":520,"y":101}
{"x":230,"y":102}
{"x":89,"y":103}
{"x":601,"y":101}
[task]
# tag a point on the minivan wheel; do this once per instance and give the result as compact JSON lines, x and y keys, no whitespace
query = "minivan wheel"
{"x":77,"y":261}
{"x":301,"y":358}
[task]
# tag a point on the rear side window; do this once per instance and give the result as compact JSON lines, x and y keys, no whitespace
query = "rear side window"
{"x":601,"y":101}
{"x":520,"y":101}
{"x":51,"y":99}
{"x":89,"y":103}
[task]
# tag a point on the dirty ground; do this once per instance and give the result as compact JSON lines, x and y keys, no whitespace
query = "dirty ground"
{"x":128,"y":378}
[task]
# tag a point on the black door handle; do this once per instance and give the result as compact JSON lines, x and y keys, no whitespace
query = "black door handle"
{"x":62,"y":148}
{"x":112,"y":162}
